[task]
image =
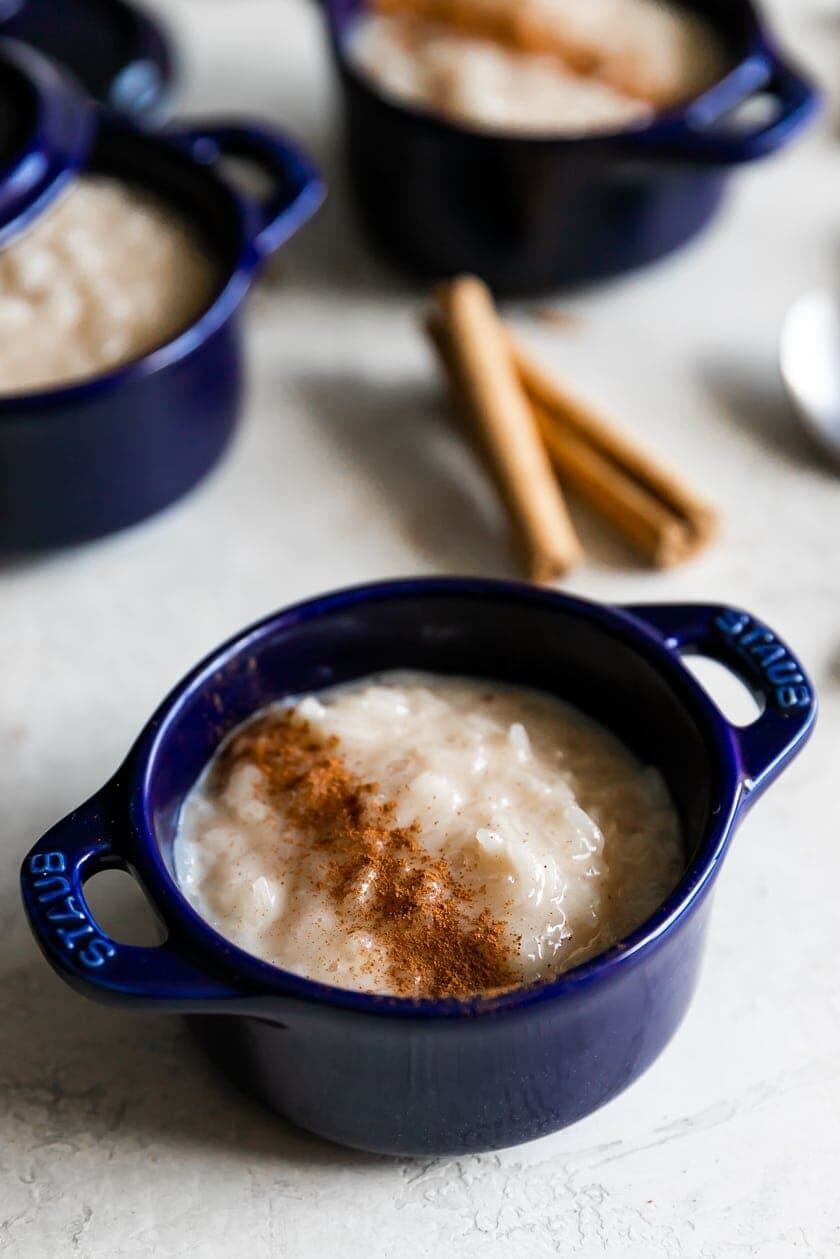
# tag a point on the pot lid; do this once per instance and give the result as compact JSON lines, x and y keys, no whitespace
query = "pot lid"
{"x":47,"y":125}
{"x":120,"y":55}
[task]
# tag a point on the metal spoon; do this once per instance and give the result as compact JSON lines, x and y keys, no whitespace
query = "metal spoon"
{"x":809,"y":356}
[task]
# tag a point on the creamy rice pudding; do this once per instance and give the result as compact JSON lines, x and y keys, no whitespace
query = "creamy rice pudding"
{"x":104,"y":276}
{"x":563,"y":67}
{"x":426,"y":836}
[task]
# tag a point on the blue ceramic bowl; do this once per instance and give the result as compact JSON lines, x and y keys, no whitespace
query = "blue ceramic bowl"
{"x":431,"y":1077}
{"x":534,"y":214}
{"x":83,"y":460}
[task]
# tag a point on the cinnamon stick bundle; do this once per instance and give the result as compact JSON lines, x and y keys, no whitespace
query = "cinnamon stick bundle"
{"x":506,"y":400}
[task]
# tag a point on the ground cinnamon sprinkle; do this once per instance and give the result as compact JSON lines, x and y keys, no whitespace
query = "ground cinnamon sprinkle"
{"x":377,"y":874}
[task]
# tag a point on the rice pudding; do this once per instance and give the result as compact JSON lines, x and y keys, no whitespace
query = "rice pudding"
{"x":424,"y":836}
{"x":102,"y":277}
{"x":556,"y":67}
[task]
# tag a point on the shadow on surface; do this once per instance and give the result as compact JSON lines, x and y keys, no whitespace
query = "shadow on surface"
{"x":400,"y":438}
{"x":753,"y":399}
{"x":73,"y":1072}
{"x":397,"y":437}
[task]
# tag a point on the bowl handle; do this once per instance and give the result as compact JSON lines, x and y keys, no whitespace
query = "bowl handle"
{"x":296,"y":188}
{"x":763,"y":662}
{"x":699,"y":138}
{"x":52,"y":882}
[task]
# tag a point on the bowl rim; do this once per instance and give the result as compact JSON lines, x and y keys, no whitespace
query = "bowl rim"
{"x":235,"y":283}
{"x":252,"y":975}
{"x":726,"y":92}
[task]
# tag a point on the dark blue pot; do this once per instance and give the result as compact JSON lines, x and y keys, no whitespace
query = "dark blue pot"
{"x":427,"y":1077}
{"x":534,"y":214}
{"x":84,"y":460}
{"x":118,"y":52}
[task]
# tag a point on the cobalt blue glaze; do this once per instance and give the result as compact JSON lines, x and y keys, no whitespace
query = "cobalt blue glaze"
{"x":120,"y":55}
{"x":534,"y":214}
{"x":431,"y":1077}
{"x":46,"y":131}
{"x":81,"y":461}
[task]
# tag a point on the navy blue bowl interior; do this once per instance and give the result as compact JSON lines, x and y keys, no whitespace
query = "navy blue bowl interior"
{"x":172,"y":176}
{"x":18,"y":114}
{"x":734,"y":24}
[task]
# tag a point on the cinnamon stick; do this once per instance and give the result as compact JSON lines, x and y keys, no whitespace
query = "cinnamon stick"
{"x":522,"y":27}
{"x":505,"y":22}
{"x":487,"y":391}
{"x":607,"y":463}
{"x":659,"y":536}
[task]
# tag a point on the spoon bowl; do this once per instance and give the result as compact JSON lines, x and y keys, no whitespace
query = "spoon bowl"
{"x":809,"y":357}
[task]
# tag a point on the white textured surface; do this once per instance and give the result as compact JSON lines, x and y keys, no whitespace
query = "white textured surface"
{"x":118,"y":1140}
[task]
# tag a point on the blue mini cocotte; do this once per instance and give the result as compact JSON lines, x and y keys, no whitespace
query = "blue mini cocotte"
{"x":390,"y":1074}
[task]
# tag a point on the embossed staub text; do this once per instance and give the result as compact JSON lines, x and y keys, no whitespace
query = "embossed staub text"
{"x":70,"y":925}
{"x":784,"y":678}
